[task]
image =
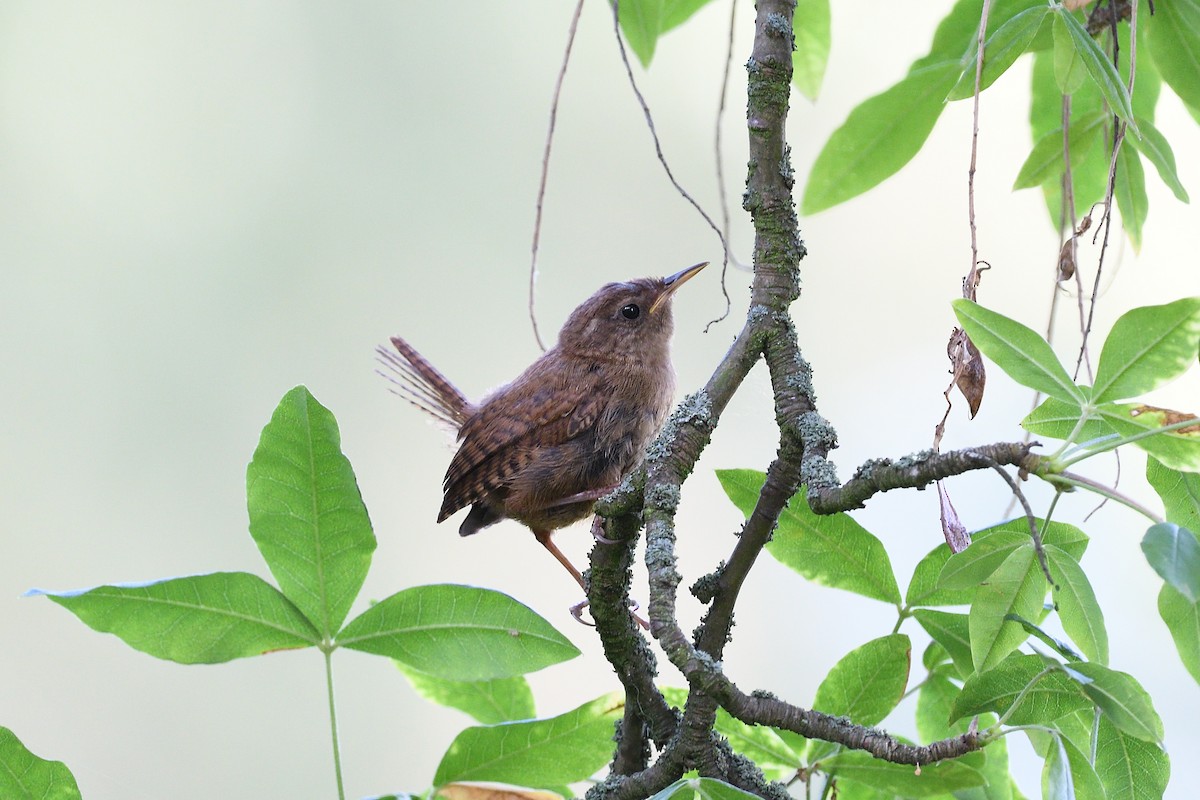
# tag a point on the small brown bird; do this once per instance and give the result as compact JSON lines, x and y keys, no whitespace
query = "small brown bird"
{"x":542,"y":449}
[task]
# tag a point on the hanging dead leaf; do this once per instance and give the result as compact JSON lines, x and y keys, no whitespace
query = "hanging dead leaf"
{"x":957,"y":535}
{"x":967,"y":365}
{"x":1066,"y":261}
{"x":480,"y":790}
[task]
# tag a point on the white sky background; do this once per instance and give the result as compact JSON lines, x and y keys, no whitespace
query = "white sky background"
{"x":204,"y":206}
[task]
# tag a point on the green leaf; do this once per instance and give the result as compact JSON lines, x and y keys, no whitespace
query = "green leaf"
{"x":1045,"y":162}
{"x":1122,"y":700}
{"x":202,"y":619}
{"x":24,"y":776}
{"x":951,"y":631}
{"x":1069,"y":72}
{"x":1154,"y":146}
{"x":1129,"y":768}
{"x":1148,"y":347}
{"x":868,"y":682}
{"x":935,"y":698}
{"x":641,"y":22}
{"x":1078,"y":609}
{"x":1179,"y":491}
{"x":1057,"y":418}
{"x":677,"y":12}
{"x":1183,"y":621}
{"x":831,"y":550}
{"x":306,"y":514}
{"x":902,"y":779}
{"x":1068,"y":775}
{"x":810,"y":23}
{"x":879,"y":137}
{"x":702,"y":789}
{"x":1175,"y":555}
{"x":489,"y":702}
{"x":1175,"y":46}
{"x":1178,"y":449}
{"x":1017,"y":350}
{"x":923,"y":589}
{"x":778,"y":760}
{"x":461,"y":633}
{"x":1016,"y":587}
{"x":539,"y":753}
{"x":1000,"y":50}
{"x":1130,"y":191}
{"x":1103,"y":73}
{"x":1053,"y":696}
{"x":971,"y":567}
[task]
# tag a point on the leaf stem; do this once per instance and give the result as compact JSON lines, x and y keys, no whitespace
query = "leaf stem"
{"x":1100,"y":489}
{"x":333,"y":728}
{"x":1112,"y":444}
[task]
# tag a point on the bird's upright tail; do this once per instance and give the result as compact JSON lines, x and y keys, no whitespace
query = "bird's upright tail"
{"x":420,"y":383}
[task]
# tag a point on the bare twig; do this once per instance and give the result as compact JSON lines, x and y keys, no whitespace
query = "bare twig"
{"x":541,"y":194}
{"x":972,"y":281}
{"x":725,"y":224}
{"x":662,"y":159}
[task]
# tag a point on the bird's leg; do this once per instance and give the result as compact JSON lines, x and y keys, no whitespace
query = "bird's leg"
{"x":577,"y":609}
{"x":589,"y":496}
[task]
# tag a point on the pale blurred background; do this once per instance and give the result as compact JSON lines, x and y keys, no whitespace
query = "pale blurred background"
{"x":207,"y":204}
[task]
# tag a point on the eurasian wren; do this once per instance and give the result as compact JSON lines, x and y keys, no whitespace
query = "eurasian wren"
{"x":542,"y":449}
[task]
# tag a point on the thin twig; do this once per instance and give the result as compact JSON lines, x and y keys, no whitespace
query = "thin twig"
{"x":662,"y":159}
{"x":972,"y":281}
{"x":541,"y":194}
{"x":725,"y":224}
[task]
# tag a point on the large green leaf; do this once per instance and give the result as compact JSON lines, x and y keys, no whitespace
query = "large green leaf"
{"x":879,"y":137}
{"x":1101,"y":69}
{"x":202,"y":619}
{"x":1045,"y":161}
{"x":461,"y":633}
{"x":951,"y":631}
{"x":971,"y":567}
{"x":1078,"y":609}
{"x":1175,"y":45}
{"x":539,"y":753}
{"x":1069,"y":71}
{"x":810,"y":23}
{"x":1053,"y":696}
{"x":641,"y":22}
{"x":1068,"y":775}
{"x":1000,"y":50}
{"x":1016,"y":587}
{"x":1130,"y":191}
{"x":1017,"y":350}
{"x":1122,"y":700}
{"x":489,"y":702}
{"x":868,"y":682}
{"x":1175,"y":555}
{"x":1129,"y":768}
{"x":1058,"y":418}
{"x":1154,"y":146}
{"x":1179,"y":492}
{"x":24,"y":776}
{"x":1148,"y":347}
{"x":1183,"y":621}
{"x":901,"y":779}
{"x":923,"y":589}
{"x":306,"y":514}
{"x":1177,"y":449}
{"x":831,"y":550}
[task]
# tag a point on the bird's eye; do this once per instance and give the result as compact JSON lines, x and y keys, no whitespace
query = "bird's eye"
{"x":631,"y":311}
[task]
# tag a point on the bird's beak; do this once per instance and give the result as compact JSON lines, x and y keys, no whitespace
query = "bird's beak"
{"x":671,"y":284}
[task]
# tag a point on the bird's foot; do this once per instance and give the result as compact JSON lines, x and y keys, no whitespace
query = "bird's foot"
{"x":577,"y":613}
{"x":598,"y":531}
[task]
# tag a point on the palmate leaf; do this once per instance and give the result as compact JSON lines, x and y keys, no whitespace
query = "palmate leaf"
{"x":541,"y":753}
{"x":1018,"y":588}
{"x":489,"y":702}
{"x":1174,"y":553}
{"x":25,"y":776}
{"x":1183,"y":621}
{"x":831,"y":550}
{"x":879,"y":137}
{"x":868,"y":682}
{"x":306,"y":514}
{"x":461,"y":633}
{"x":1148,"y":347}
{"x":202,"y":619}
{"x":1017,"y":350}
